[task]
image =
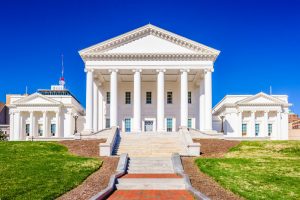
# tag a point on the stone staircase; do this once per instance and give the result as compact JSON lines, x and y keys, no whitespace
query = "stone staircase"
{"x":150,"y":144}
{"x":146,"y":173}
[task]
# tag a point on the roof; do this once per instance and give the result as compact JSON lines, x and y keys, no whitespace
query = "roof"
{"x":104,"y":49}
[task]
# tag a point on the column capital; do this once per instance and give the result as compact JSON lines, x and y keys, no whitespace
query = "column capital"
{"x":208,"y":70}
{"x":88,"y":70}
{"x":137,"y":70}
{"x":161,"y":70}
{"x":113,"y":70}
{"x":185,"y":70}
{"x":44,"y":111}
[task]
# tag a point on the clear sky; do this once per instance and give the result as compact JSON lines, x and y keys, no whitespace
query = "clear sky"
{"x":259,"y":40}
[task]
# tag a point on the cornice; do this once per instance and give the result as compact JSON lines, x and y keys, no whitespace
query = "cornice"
{"x":149,"y":57}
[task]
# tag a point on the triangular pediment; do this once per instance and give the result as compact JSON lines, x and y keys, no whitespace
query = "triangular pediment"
{"x":36,"y":99}
{"x":149,"y":39}
{"x":260,"y":99}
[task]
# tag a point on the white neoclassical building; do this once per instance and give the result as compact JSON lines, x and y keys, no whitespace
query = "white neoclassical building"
{"x":44,"y":115}
{"x":149,"y":79}
{"x":252,"y":116}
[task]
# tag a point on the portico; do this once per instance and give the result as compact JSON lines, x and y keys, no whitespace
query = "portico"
{"x":148,"y":79}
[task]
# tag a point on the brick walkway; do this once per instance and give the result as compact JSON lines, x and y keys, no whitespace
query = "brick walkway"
{"x":151,"y":195}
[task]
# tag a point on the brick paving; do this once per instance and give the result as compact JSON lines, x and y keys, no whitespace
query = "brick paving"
{"x":151,"y":195}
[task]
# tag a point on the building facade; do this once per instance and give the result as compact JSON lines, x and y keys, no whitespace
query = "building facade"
{"x":148,"y":80}
{"x":252,"y":116}
{"x":44,"y":115}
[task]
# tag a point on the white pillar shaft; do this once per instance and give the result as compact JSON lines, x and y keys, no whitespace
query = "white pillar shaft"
{"x":201,"y":106}
{"x":252,"y":124}
{"x":89,"y":101}
{"x":278,"y":125}
{"x":45,"y":124}
{"x":100,"y":109}
{"x":57,"y":119}
{"x":239,"y":124}
{"x":11,"y":125}
{"x":160,"y":101}
{"x":137,"y":101}
{"x":32,"y":124}
{"x":265,"y":126}
{"x":208,"y":100}
{"x":113,"y":98}
{"x":184,"y":98}
{"x":95,"y":107}
{"x":17,"y":125}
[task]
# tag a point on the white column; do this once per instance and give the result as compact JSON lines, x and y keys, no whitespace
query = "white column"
{"x":45,"y":132}
{"x":265,"y":125}
{"x":89,"y":101}
{"x":100,"y":108}
{"x":208,"y":99}
{"x":71,"y":122}
{"x":201,"y":105}
{"x":184,"y":98}
{"x":95,"y":106}
{"x":278,"y":126}
{"x":239,"y":124}
{"x":137,"y":101}
{"x":32,"y":124}
{"x":160,"y":100}
{"x":17,"y":126}
{"x":57,"y":119}
{"x":22,"y":131}
{"x":11,"y":125}
{"x":113,"y":98}
{"x":252,"y":124}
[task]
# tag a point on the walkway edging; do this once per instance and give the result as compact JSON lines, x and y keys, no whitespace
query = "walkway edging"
{"x":178,"y":169}
{"x":121,"y":170}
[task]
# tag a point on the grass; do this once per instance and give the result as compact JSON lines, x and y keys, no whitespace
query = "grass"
{"x":40,"y":170}
{"x":258,"y":170}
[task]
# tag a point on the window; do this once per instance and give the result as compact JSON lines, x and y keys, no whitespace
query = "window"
{"x":189,"y":123}
{"x":244,"y":129}
{"x":40,"y":129}
{"x":148,"y":98}
{"x":107,"y":123}
{"x":270,"y":129}
{"x":127,"y":98}
{"x":127,"y":125}
{"x":27,"y":129}
{"x":169,"y":98}
{"x":169,"y":124}
{"x":53,"y":129}
{"x":190,"y":97}
{"x":256,"y":129}
{"x":108,"y":97}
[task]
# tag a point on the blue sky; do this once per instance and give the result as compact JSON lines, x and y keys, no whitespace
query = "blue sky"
{"x":259,"y":40}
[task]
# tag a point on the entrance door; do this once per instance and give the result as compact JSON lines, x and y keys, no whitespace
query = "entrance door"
{"x":148,"y":125}
{"x":127,"y":125}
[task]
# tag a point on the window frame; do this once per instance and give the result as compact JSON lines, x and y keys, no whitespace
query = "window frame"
{"x":169,"y":97}
{"x":270,"y":129}
{"x":169,"y":129}
{"x":27,"y":129}
{"x":107,"y":122}
{"x":190,"y":123}
{"x":257,"y":129}
{"x":244,"y":128}
{"x":149,"y":101}
{"x":107,"y":97}
{"x":53,"y":129}
{"x":189,"y":97}
{"x":127,"y":121}
{"x":127,"y":98}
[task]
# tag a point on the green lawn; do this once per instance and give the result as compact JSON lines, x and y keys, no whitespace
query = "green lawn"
{"x":40,"y":170}
{"x":258,"y":170}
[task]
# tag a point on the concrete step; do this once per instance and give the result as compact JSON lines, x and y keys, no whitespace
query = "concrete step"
{"x":150,"y":186}
{"x":150,"y":180}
